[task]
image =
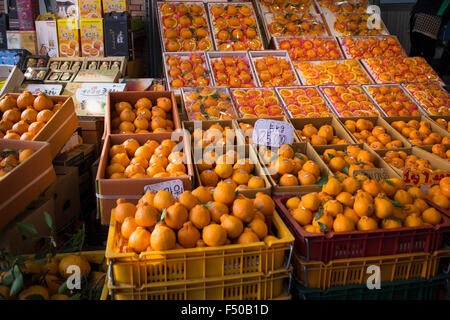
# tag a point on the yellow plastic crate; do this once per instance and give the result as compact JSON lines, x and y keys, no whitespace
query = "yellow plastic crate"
{"x":162,"y":267}
{"x":343,"y":272}
{"x":258,"y":286}
{"x":436,"y":260}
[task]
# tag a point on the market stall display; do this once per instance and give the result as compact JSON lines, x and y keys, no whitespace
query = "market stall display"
{"x":294,"y":25}
{"x":432,"y":98}
{"x":371,"y":47}
{"x":309,"y":48}
{"x":304,"y":101}
{"x":232,"y":69}
{"x":257,"y":103}
{"x":354,"y":24}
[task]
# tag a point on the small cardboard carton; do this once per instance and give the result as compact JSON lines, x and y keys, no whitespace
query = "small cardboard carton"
{"x":90,"y":9}
{"x":22,"y":40}
{"x":69,"y":38}
{"x":132,"y":97}
{"x":26,"y":181}
{"x":60,"y":127}
{"x":67,"y":9}
{"x":47,"y":38}
{"x":114,"y":6}
{"x":109,"y":190}
{"x":91,"y":33}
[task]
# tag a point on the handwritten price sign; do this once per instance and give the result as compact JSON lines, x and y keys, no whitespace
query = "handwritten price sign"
{"x":423,"y":177}
{"x":272,"y":133}
{"x":175,"y":187}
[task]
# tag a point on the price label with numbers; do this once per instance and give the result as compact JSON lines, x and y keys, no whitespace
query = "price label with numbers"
{"x":49,"y":89}
{"x":175,"y":187}
{"x":273,"y":133}
{"x":423,"y":177}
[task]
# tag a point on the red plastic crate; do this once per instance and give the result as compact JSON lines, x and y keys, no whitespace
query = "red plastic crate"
{"x":356,"y":244}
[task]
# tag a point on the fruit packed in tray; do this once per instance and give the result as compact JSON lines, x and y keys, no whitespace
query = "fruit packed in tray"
{"x":314,"y":48}
{"x":233,"y":71}
{"x":235,"y":27}
{"x":287,"y":6}
{"x":295,"y":24}
{"x":275,"y":71}
{"x":257,"y":103}
{"x":338,"y":6}
{"x":350,"y":101}
{"x":400,"y":70}
{"x":184,"y":26}
{"x":208,"y":104}
{"x":332,"y":72}
{"x":304,"y":102}
{"x":371,"y":47}
{"x":393,"y":100}
{"x":432,"y":98}
{"x":187,"y":70}
{"x":350,"y":24}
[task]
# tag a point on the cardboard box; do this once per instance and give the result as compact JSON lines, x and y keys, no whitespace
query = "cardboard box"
{"x":65,"y":63}
{"x":115,"y":27}
{"x":378,"y":121}
{"x":434,"y":118}
{"x":91,"y":32}
{"x":109,"y":190}
{"x":339,"y":129}
{"x":12,"y":76}
{"x":24,"y":184}
{"x":90,"y":8}
{"x":67,"y":9}
{"x":114,"y":5}
{"x":81,"y":157}
{"x":47,"y":38}
{"x":132,"y":98}
{"x":105,"y":63}
{"x":60,"y":127}
{"x":66,"y":195}
{"x":12,"y":240}
{"x":106,"y":76}
{"x":22,"y":40}
{"x":92,"y":131}
{"x":68,"y":38}
{"x":27,"y":11}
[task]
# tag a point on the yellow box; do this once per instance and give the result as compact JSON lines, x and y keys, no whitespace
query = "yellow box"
{"x":92,"y":44}
{"x":114,"y":6}
{"x":69,"y":38}
{"x":90,"y":8}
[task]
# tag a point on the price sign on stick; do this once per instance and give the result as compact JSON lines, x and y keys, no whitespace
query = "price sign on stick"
{"x":273,"y":133}
{"x":175,"y":187}
{"x":423,"y":177}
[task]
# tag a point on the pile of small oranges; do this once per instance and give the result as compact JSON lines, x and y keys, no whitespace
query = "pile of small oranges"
{"x":360,"y":203}
{"x":401,"y":160}
{"x":441,"y":151}
{"x":375,"y":136}
{"x":439,"y":194}
{"x":232,"y":168}
{"x":198,"y":218}
{"x":290,"y":168}
{"x":443,"y":123}
{"x":9,"y":159}
{"x":143,"y":117}
{"x":25,"y":117}
{"x":317,"y":137}
{"x":343,"y":163}
{"x":233,"y":72}
{"x":275,"y":71}
{"x":419,"y":133}
{"x":132,"y":160}
{"x":215,"y":135}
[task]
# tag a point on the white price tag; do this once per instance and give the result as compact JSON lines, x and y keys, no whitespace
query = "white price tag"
{"x":272,"y":133}
{"x":49,"y":89}
{"x":175,"y":187}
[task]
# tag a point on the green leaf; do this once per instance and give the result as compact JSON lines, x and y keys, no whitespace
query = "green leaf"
{"x":62,"y":288}
{"x":319,"y":213}
{"x":330,"y":156}
{"x":361,"y":162}
{"x":207,"y":204}
{"x":396,"y":219}
{"x":163,"y":214}
{"x":34,"y":297}
{"x":322,"y":181}
{"x":76,"y":296}
{"x":397,"y":204}
{"x":299,"y":156}
{"x":8,"y":278}
{"x":389,"y":182}
{"x":323,"y":227}
{"x":345,"y":170}
{"x":215,"y":95}
{"x":236,"y":193}
{"x":26,"y":228}
{"x":48,"y":219}
{"x":17,"y":285}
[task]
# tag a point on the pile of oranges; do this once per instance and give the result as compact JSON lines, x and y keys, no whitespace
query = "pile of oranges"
{"x":25,"y":117}
{"x":375,"y":136}
{"x":233,"y":72}
{"x":188,"y":71}
{"x":215,"y":135}
{"x":257,"y":103}
{"x":200,"y":218}
{"x":310,"y":49}
{"x":419,"y":133}
{"x":401,"y":160}
{"x":343,"y":163}
{"x":360,"y":203}
{"x":441,"y":151}
{"x":393,"y":100}
{"x":433,"y":99}
{"x":354,"y":25}
{"x":9,"y":159}
{"x":295,"y":25}
{"x":290,"y":168}
{"x":372,"y":47}
{"x":317,"y":137}
{"x":275,"y":71}
{"x":143,"y":117}
{"x":132,"y":160}
{"x":443,"y":123}
{"x":440,"y":194}
{"x":231,"y":167}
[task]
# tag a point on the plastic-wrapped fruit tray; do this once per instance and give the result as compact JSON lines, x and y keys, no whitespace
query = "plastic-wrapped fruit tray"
{"x":257,"y":103}
{"x":371,"y":47}
{"x":186,"y":69}
{"x":332,"y":7}
{"x":304,"y":102}
{"x":208,"y":104}
{"x":184,"y":26}
{"x":235,"y":26}
{"x":351,"y":24}
{"x":332,"y":72}
{"x":309,"y":48}
{"x":432,"y":98}
{"x":273,"y":68}
{"x":286,"y":6}
{"x":350,"y":101}
{"x":294,"y":25}
{"x":400,"y":70}
{"x":392,"y":100}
